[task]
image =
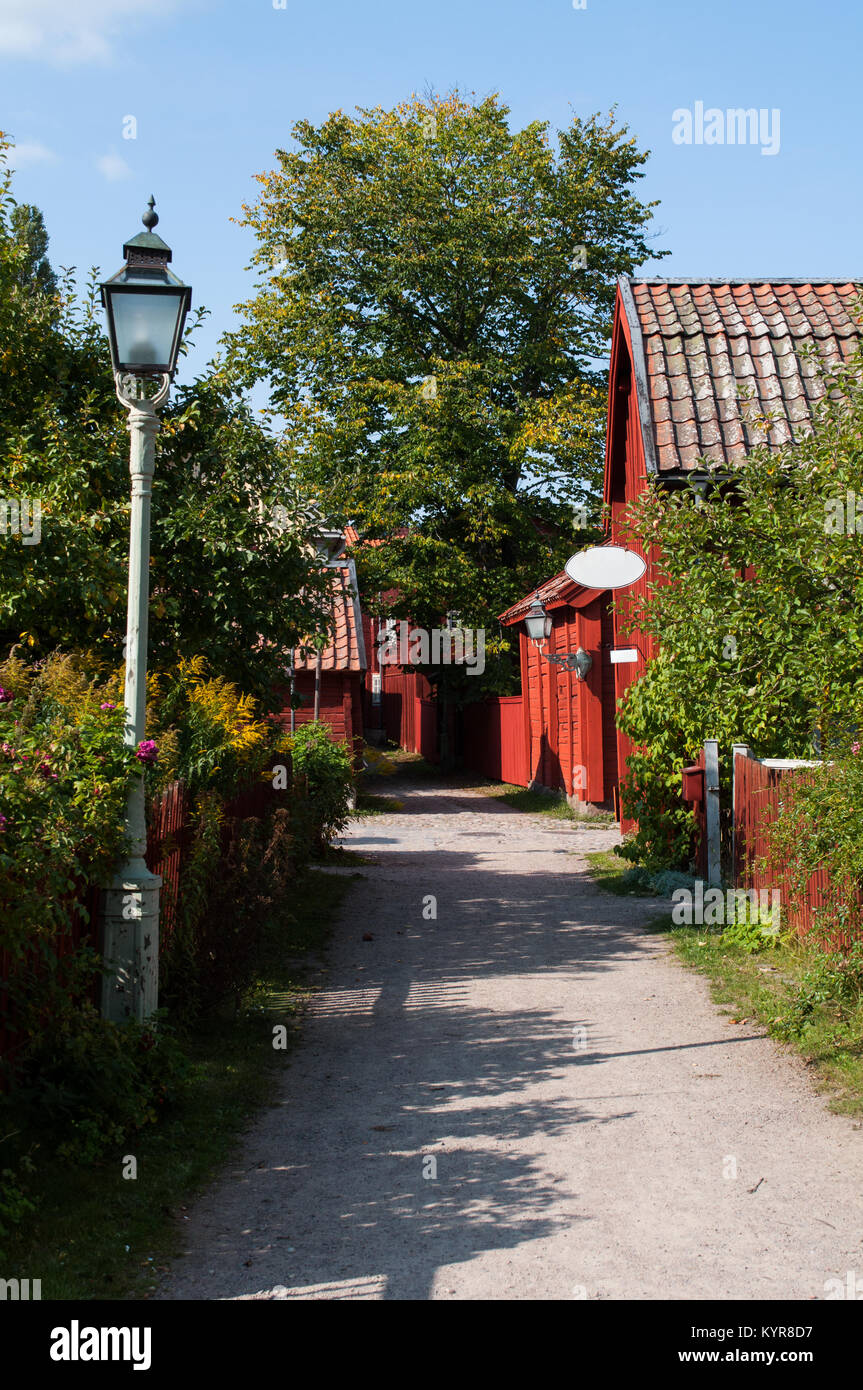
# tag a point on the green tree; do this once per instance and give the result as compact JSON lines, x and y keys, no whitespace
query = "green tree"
{"x":234,"y":575}
{"x":436,"y":292}
{"x":760,"y":625}
{"x":28,"y":228}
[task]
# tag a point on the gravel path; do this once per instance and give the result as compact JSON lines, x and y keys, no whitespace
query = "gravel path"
{"x":584,"y":1103}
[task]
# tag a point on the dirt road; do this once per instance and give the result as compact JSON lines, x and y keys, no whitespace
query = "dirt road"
{"x":525,"y":1097}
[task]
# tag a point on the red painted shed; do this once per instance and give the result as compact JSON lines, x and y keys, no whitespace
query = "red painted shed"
{"x":340,"y":673}
{"x":569,"y":723}
{"x":684,"y":355}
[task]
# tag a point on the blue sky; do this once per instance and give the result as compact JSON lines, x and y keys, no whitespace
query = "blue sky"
{"x":216,"y":85}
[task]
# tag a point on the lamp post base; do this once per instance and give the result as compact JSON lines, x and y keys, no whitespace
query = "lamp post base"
{"x":130,"y":945}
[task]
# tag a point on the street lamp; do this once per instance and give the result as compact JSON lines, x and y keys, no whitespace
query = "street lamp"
{"x":146,"y":307}
{"x":537,"y":622}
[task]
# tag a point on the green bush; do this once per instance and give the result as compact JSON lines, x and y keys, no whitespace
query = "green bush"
{"x":650,"y":794}
{"x":833,"y":984}
{"x":63,"y":781}
{"x":15,"y":1204}
{"x":820,"y":826}
{"x":210,"y":734}
{"x":757,"y":614}
{"x":325,"y":769}
{"x":87,"y":1085}
{"x":752,"y":933}
{"x":81,"y":1086}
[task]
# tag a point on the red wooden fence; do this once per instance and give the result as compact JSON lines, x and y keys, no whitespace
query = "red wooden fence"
{"x":82,"y":916}
{"x":409,"y":715}
{"x":494,"y":741}
{"x":169,"y":836}
{"x":758,"y":787}
{"x":170,"y":833}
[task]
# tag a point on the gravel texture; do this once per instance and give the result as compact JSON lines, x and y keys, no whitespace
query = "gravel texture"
{"x":584,"y":1103}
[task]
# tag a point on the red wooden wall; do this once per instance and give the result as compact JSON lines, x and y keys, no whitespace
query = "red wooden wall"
{"x":625,"y":479}
{"x":409,"y":714}
{"x":569,"y":727}
{"x":340,"y":705}
{"x":494,"y":740}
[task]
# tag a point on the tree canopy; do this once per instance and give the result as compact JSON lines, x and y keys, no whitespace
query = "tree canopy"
{"x":436,"y":294}
{"x":27,"y":226}
{"x":234,"y":575}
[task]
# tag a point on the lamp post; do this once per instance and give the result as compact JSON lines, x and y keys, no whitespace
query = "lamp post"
{"x":146,"y":307}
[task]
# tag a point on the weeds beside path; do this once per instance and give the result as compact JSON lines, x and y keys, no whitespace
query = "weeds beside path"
{"x":99,"y":1235}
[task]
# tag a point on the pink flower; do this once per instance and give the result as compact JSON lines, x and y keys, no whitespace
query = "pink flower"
{"x":855,"y":748}
{"x":3,"y":823}
{"x":147,"y":752}
{"x":5,"y":696}
{"x":107,"y":705}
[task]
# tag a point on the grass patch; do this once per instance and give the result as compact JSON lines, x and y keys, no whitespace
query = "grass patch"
{"x":96,"y":1235}
{"x":613,"y":875}
{"x":412,"y":765}
{"x":373,"y":805}
{"x":533,"y":801}
{"x":616,"y":875}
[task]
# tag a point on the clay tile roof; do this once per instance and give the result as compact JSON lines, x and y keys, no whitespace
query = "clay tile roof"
{"x":346,"y":649}
{"x":701,"y":342}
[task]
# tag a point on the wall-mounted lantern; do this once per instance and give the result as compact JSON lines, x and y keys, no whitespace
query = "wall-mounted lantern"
{"x":538,"y":623}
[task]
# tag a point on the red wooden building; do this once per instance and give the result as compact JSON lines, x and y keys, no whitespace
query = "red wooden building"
{"x":685,"y":356}
{"x":339,"y":673}
{"x":568,"y":723}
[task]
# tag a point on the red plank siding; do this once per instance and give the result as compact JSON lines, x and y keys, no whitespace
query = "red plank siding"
{"x":494,"y":742}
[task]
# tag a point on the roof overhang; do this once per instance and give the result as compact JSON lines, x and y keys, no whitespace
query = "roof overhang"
{"x":558,"y":592}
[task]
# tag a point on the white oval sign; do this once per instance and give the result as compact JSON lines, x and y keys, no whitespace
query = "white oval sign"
{"x":605,"y":567}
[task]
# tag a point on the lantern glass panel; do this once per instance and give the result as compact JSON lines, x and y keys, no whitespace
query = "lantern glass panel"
{"x":145,"y":326}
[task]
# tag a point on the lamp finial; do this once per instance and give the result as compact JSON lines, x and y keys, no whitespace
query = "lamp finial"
{"x":150,"y":218}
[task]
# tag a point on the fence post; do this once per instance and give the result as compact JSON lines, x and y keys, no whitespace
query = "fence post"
{"x":711,"y":794}
{"x":745,"y":752}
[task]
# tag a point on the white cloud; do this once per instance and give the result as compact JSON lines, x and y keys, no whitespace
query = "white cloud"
{"x":113,"y":167}
{"x":30,"y":152}
{"x":72,"y":31}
